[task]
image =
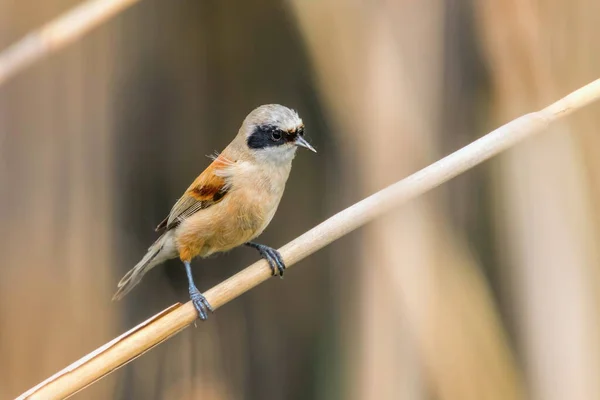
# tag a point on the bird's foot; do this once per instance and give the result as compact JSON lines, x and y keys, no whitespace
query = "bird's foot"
{"x":200,"y":303}
{"x":272,"y":256}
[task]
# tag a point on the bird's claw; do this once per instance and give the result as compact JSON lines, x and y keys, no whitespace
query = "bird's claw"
{"x":200,"y":304}
{"x":272,"y":256}
{"x":274,"y":259}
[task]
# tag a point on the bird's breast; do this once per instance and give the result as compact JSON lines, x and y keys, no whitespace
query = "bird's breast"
{"x":259,"y":195}
{"x":242,"y":215}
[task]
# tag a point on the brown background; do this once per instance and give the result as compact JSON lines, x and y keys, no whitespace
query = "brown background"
{"x":487,"y":288}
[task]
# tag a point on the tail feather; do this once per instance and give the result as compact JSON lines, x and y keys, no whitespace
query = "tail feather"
{"x":157,"y":253}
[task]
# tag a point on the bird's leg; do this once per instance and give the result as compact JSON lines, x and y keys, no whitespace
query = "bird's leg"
{"x":272,"y":256}
{"x":199,"y":301}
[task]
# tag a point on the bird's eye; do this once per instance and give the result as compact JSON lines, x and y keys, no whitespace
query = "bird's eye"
{"x":301,"y":131}
{"x":276,"y":135}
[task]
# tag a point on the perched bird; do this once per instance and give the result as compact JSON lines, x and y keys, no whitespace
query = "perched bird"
{"x":231,"y":202}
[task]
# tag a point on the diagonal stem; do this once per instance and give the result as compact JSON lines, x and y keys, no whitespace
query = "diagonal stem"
{"x":57,"y":34}
{"x":159,"y":328}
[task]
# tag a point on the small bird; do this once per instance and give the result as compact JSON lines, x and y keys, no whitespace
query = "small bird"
{"x":231,"y":202}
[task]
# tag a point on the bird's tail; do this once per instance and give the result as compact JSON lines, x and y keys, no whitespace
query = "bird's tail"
{"x":159,"y":252}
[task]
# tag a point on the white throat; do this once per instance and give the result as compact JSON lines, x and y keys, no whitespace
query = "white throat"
{"x":277,"y":156}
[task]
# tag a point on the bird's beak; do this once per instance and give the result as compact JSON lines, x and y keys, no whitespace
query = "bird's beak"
{"x":301,"y":142}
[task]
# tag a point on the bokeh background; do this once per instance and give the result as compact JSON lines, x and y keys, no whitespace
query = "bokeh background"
{"x":486,"y":288}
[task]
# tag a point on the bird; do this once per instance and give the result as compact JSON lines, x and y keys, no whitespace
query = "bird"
{"x":231,"y":202}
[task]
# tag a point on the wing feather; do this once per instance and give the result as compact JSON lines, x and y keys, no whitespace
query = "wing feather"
{"x":208,"y":189}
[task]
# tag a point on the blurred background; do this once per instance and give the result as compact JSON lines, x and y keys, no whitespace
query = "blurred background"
{"x":486,"y":288}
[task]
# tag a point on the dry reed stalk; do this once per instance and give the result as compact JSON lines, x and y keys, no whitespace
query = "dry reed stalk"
{"x":57,"y":34}
{"x":543,"y":225}
{"x":159,"y":328}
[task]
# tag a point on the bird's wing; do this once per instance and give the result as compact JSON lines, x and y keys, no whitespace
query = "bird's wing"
{"x":208,"y":189}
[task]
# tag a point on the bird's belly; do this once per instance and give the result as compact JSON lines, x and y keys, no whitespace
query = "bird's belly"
{"x":227,"y":236}
{"x":226,"y":225}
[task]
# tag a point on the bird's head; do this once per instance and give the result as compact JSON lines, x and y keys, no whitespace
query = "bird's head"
{"x":273,"y":133}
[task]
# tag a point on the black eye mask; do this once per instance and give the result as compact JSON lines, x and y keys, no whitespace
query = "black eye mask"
{"x":265,"y":136}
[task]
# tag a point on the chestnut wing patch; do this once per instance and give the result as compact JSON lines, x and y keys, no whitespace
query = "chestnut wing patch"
{"x":207,"y":190}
